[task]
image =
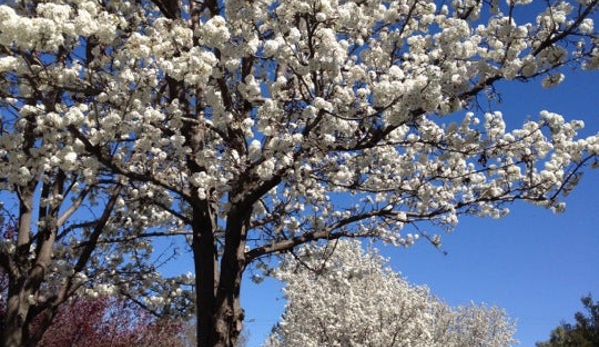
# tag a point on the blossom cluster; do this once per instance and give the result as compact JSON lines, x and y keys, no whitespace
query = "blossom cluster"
{"x":258,"y":126}
{"x":339,"y":295}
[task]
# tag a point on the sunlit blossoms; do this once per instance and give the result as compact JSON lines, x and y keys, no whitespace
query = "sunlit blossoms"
{"x":339,"y":295}
{"x":251,"y":128}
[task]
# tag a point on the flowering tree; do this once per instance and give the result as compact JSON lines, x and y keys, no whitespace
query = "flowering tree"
{"x":339,"y":295}
{"x":85,"y":267}
{"x":109,"y":322}
{"x":243,"y":123}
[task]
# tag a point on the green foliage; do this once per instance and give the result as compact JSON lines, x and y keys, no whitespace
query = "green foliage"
{"x":584,"y":333}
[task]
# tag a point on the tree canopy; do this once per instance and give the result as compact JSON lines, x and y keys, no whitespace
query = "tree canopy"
{"x":242,"y":125}
{"x":584,"y":333}
{"x":340,"y":295}
{"x":109,"y":322}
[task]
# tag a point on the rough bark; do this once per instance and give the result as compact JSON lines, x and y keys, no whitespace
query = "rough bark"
{"x":219,"y":313}
{"x":229,"y":314}
{"x":205,"y":260}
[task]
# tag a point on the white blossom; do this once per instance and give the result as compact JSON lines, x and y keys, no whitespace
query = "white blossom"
{"x":340,"y":295}
{"x":269,"y":124}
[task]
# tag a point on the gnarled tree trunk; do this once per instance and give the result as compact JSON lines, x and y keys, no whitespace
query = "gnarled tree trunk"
{"x":219,"y":313}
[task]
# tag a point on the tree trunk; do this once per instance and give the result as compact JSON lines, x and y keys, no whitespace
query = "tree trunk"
{"x":229,"y":315}
{"x":205,"y":266}
{"x":219,"y":314}
{"x":20,"y":311}
{"x":17,"y":301}
{"x":25,"y":275}
{"x":14,"y":319}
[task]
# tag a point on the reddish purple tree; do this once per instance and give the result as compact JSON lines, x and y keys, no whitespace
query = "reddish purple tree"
{"x":106,"y":321}
{"x":99,"y":322}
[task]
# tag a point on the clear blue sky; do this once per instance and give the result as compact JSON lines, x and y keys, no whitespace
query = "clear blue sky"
{"x":533,"y":263}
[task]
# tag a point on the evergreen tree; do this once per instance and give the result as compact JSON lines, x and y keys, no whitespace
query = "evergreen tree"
{"x":583,"y":333}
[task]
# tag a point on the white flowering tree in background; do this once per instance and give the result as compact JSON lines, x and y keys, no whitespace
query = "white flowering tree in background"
{"x":340,"y":295}
{"x":246,"y":124}
{"x":472,"y":325}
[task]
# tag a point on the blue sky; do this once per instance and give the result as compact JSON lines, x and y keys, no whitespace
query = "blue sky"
{"x":533,"y":263}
